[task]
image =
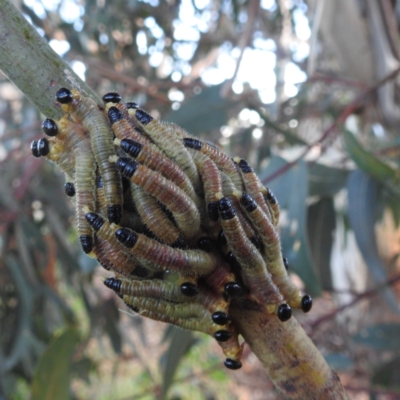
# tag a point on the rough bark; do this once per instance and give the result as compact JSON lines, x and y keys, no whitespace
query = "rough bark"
{"x":290,"y":358}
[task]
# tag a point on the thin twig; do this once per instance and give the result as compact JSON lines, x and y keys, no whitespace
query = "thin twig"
{"x":338,"y":121}
{"x":367,"y":294}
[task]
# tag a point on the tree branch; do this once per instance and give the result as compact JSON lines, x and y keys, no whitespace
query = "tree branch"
{"x":32,"y":65}
{"x":293,"y":363}
{"x":290,"y":358}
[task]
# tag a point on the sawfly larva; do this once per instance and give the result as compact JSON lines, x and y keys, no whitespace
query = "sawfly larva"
{"x":223,"y":162}
{"x":129,"y":218}
{"x":112,"y":258}
{"x":178,"y":314}
{"x":156,"y":161}
{"x":155,"y":219}
{"x":188,"y":262}
{"x":87,"y":112}
{"x":155,"y":255}
{"x":123,"y":129}
{"x":54,"y":151}
{"x":85,"y":186}
{"x":254,"y":271}
{"x":73,"y":139}
{"x":184,"y":210}
{"x":171,"y":146}
{"x":155,"y":288}
{"x":212,"y":182}
{"x":273,"y":256}
{"x":273,"y":205}
{"x":112,"y":100}
{"x":253,"y":185}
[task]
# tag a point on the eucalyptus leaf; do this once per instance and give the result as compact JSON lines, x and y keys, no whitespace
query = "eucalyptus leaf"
{"x":181,"y":342}
{"x":52,"y":376}
{"x":291,"y":191}
{"x":326,"y":181}
{"x":203,"y":112}
{"x":363,"y":208}
{"x":367,"y":161}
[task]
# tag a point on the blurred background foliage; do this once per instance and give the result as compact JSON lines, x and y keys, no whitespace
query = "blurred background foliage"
{"x":295,"y":87}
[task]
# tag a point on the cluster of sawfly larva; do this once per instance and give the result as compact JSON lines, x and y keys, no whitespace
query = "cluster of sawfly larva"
{"x":186,"y":230}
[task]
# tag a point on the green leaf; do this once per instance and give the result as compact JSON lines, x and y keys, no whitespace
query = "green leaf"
{"x":321,"y":224}
{"x":291,"y":190}
{"x":379,"y":337}
{"x":202,"y":113}
{"x":52,"y":375}
{"x":325,"y":181}
{"x":368,"y":162}
{"x":181,"y":343}
{"x":363,"y":208}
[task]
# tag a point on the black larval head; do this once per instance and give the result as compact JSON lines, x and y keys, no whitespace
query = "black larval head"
{"x":225,"y":208}
{"x":114,"y":115}
{"x":221,"y":318}
{"x":126,"y":166}
{"x":284,"y":312}
{"x":86,"y":243}
{"x":248,"y":202}
{"x":143,"y":117}
{"x":222,"y":336}
{"x":95,"y":221}
{"x":69,"y":188}
{"x":49,"y":127}
{"x":232,"y":364}
{"x":113,"y":284}
{"x":189,"y":289}
{"x":233,"y":289}
{"x":43,"y":147}
{"x":114,"y":213}
{"x":306,"y":303}
{"x":34,"y":149}
{"x":112,"y":97}
{"x":64,"y":96}
{"x":127,"y":237}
